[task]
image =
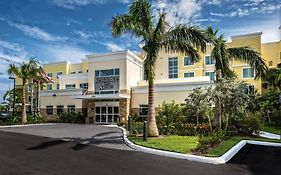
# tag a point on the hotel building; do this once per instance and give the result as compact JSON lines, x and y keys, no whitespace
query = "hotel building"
{"x":108,"y":87}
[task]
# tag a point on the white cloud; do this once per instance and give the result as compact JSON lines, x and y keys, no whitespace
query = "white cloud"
{"x":269,"y":27}
{"x":178,"y":11}
{"x":35,"y":32}
{"x":113,"y":47}
{"x":71,"y":4}
{"x":87,"y":35}
{"x":63,"y":52}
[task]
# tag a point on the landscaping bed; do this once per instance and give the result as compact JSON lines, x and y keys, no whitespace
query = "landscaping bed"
{"x":271,"y":129}
{"x":190,"y":144}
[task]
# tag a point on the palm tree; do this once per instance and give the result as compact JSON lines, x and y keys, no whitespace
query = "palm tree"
{"x":155,"y":34}
{"x":25,"y":71}
{"x":223,"y":55}
{"x":273,"y":77}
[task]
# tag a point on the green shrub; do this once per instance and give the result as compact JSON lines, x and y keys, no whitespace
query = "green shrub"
{"x":245,"y":124}
{"x":168,"y":115}
{"x":75,"y":117}
{"x":31,"y":119}
{"x":216,"y":137}
{"x":189,"y":129}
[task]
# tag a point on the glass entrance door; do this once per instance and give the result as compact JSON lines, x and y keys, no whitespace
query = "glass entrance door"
{"x":106,"y":114}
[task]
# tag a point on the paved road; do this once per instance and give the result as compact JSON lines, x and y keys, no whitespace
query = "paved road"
{"x":22,"y":154}
{"x":99,"y":135}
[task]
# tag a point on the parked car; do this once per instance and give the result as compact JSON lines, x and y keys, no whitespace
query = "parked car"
{"x":4,"y":115}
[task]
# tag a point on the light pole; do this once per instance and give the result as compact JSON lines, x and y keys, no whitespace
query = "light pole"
{"x":14,"y":101}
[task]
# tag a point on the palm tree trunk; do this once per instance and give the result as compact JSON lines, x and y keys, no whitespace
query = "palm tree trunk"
{"x":152,"y":126}
{"x":23,"y":114}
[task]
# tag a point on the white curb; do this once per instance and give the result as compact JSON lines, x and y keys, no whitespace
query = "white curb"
{"x":17,"y":126}
{"x":269,"y":135}
{"x":212,"y":160}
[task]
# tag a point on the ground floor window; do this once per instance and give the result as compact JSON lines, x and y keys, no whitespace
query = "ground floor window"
{"x":83,"y":85}
{"x":143,"y":110}
{"x":188,"y":74}
{"x":250,"y":89}
{"x":70,"y":86}
{"x":71,"y":108}
{"x":59,"y":109}
{"x":49,"y":110}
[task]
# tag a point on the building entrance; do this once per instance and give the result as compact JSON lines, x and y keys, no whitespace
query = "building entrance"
{"x":106,"y":114}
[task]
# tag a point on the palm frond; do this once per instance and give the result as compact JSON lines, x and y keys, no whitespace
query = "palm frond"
{"x":189,"y":34}
{"x":252,"y":57}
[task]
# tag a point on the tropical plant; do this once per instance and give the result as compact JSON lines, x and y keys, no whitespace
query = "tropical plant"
{"x":273,"y":77}
{"x":9,"y":97}
{"x":168,"y":115}
{"x":155,"y":34}
{"x":223,"y":55}
{"x":26,"y":71}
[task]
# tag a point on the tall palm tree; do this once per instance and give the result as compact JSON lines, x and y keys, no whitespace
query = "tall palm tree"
{"x":25,"y":71}
{"x":223,"y":55}
{"x":156,"y":34}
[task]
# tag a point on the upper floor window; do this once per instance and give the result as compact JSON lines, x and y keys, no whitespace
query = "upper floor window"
{"x":188,"y":74}
{"x":49,"y":74}
{"x":72,"y":72}
{"x":80,"y":72}
{"x":188,"y":61}
{"x":173,"y":67}
{"x":212,"y":75}
{"x":58,"y":74}
{"x":248,"y":73}
{"x":49,"y":86}
{"x":107,"y":72}
{"x":70,"y":86}
{"x":58,"y":86}
{"x":209,"y":60}
{"x":83,"y":85}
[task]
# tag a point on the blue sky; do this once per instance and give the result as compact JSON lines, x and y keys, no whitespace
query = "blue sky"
{"x":56,"y":30}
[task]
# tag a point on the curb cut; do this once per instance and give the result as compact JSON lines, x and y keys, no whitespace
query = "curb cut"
{"x":211,"y":160}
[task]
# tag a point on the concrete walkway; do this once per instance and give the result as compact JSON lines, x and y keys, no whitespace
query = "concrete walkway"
{"x":269,"y":135}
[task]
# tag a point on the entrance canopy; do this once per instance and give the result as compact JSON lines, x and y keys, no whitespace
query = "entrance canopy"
{"x":103,"y":96}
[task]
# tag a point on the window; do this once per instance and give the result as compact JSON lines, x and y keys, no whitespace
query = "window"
{"x":209,"y":60}
{"x":49,"y":86}
{"x":72,"y":72}
{"x":70,"y":86}
{"x":58,"y":74}
{"x":212,"y":75}
{"x":58,"y":86}
{"x":71,"y":108}
{"x":49,"y":74}
{"x":106,"y":92}
{"x":173,"y":67}
{"x":187,"y":61}
{"x":59,"y":109}
{"x":80,"y":72}
{"x":188,"y":74}
{"x":250,"y":89}
{"x":87,"y":70}
{"x":83,"y":85}
{"x":107,"y":72}
{"x":248,"y":73}
{"x":143,"y":110}
{"x":49,"y":110}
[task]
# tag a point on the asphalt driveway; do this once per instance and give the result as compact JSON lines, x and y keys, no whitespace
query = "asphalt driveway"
{"x":57,"y":150}
{"x":100,"y":135}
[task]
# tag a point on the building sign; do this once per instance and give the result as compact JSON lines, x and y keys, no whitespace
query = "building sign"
{"x":107,"y":83}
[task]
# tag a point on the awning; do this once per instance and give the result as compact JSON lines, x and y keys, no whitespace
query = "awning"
{"x":101,"y":96}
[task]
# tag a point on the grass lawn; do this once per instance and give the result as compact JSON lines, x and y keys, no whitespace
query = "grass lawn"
{"x":180,"y":144}
{"x":272,"y":129}
{"x":186,"y":144}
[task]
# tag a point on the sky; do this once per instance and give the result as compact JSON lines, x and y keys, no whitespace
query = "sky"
{"x":57,"y":30}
